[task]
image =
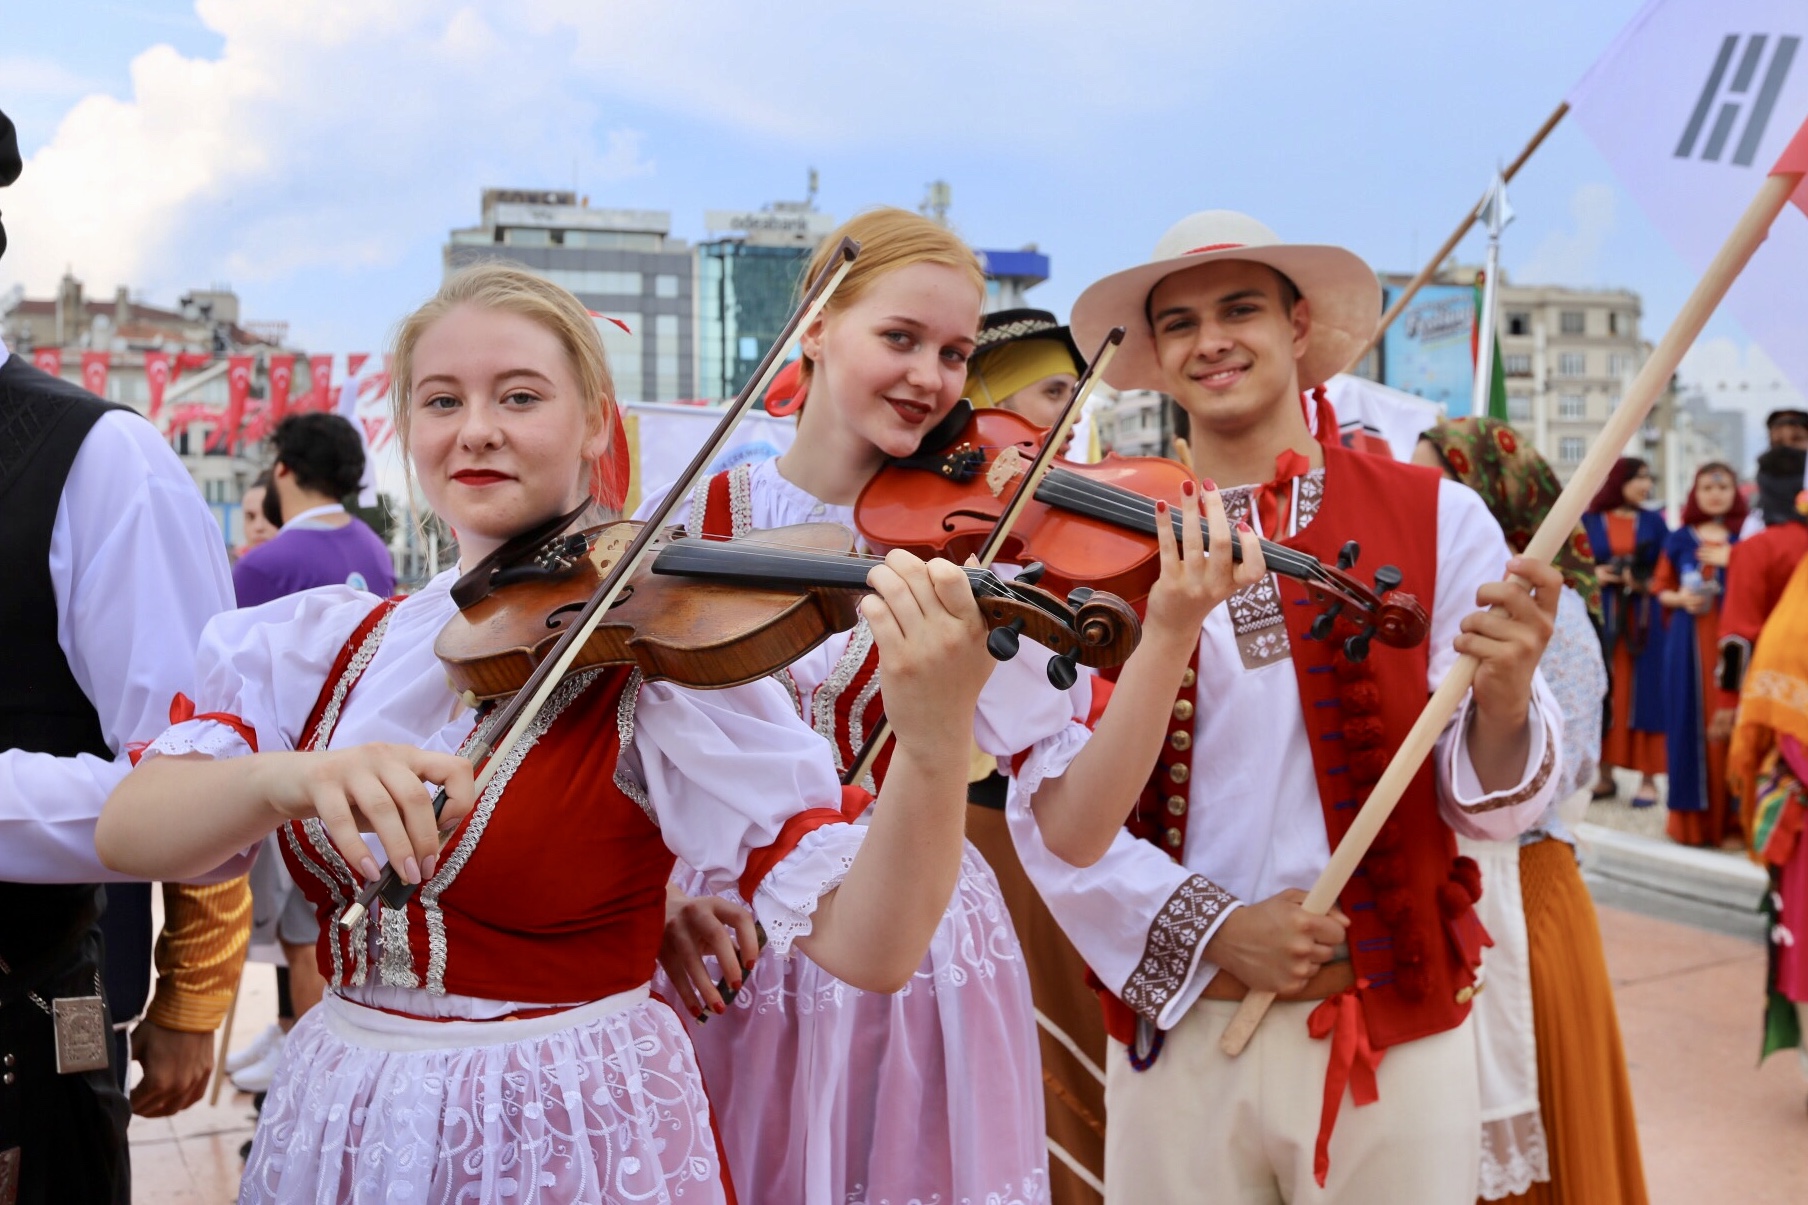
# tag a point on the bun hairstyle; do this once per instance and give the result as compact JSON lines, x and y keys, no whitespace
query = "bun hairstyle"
{"x":503,"y":286}
{"x":889,"y":239}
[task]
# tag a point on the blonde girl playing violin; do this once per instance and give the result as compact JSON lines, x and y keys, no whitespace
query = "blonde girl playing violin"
{"x":495,"y":1038}
{"x":829,"y":1094}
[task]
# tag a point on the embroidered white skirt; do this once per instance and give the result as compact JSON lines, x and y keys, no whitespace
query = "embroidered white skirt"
{"x":828,"y":1095}
{"x":600,"y":1103}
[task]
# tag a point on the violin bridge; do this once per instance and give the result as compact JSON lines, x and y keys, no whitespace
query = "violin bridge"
{"x":1010,"y":465}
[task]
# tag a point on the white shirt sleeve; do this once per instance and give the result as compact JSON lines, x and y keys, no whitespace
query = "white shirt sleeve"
{"x":265,"y":666}
{"x":1140,"y":919}
{"x":138,"y":566}
{"x":1471,"y":552}
{"x":721,"y":771}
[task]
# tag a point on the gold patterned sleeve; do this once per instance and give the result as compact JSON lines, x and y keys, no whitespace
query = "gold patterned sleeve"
{"x":200,"y":953}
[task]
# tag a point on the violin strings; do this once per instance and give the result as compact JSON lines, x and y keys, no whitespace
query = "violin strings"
{"x":785,"y":556}
{"x":1128,"y":507}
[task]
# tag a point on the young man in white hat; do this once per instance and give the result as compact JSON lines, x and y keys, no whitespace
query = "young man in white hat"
{"x":1275,"y":739}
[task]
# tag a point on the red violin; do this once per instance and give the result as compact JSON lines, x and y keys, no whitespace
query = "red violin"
{"x":1090,"y":525}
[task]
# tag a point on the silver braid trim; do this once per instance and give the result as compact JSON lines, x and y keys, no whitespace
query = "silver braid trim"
{"x":448,"y":871}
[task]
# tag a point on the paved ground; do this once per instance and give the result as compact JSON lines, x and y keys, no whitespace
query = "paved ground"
{"x":1687,"y":974}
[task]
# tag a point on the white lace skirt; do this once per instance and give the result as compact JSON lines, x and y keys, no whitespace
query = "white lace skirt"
{"x":828,"y":1095}
{"x":1514,"y":1152}
{"x":601,"y":1103}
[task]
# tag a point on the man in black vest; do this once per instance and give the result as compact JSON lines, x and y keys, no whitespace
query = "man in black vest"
{"x":114,"y":564}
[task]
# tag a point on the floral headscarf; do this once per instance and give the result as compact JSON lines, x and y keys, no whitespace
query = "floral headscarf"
{"x":1489,"y":457}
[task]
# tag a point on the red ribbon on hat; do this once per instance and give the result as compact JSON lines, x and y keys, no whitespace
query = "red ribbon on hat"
{"x":1212,"y":247}
{"x":1353,"y":1063}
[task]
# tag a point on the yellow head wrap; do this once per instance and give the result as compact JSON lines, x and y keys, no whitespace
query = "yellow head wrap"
{"x":995,"y":374}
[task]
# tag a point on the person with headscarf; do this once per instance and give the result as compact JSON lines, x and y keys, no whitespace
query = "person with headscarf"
{"x":1548,"y":1014}
{"x":1689,"y":584}
{"x":1627,"y":540}
{"x":1026,"y":362}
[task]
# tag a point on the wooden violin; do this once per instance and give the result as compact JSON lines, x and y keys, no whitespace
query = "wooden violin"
{"x":715,"y":613}
{"x":1091,"y":524}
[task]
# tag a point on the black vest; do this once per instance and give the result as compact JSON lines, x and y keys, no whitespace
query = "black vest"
{"x":43,"y":421}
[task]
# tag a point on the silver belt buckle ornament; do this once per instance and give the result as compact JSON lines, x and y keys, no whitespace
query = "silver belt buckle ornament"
{"x":9,"y":1176}
{"x":81,"y":1034}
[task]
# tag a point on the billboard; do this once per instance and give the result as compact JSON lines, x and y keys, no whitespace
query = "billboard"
{"x":1426,"y":350}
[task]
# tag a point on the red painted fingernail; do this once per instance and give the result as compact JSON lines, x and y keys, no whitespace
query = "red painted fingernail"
{"x":1243,"y":525}
{"x":718,"y":1008}
{"x":1209,"y":484}
{"x":735,"y":987}
{"x":1186,"y":487}
{"x":1161,"y":507}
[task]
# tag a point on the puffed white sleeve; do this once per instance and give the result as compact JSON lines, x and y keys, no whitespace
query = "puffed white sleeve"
{"x":137,"y":568}
{"x":744,"y":792}
{"x":1472,"y":552}
{"x":260,"y":670}
{"x":1020,"y":712}
{"x":1140,"y":919}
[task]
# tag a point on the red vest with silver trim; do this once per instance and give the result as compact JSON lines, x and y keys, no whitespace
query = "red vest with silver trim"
{"x":551,"y":891}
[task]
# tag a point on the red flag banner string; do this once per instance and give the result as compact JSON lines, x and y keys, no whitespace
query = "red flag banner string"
{"x":94,"y":371}
{"x":156,"y":380}
{"x":282,"y":377}
{"x":48,"y":359}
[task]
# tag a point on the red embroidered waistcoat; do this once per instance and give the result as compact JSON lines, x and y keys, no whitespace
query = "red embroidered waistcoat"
{"x":1414,"y":938}
{"x":551,"y":891}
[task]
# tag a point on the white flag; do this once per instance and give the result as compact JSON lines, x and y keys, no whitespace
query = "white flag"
{"x":1692,"y":105}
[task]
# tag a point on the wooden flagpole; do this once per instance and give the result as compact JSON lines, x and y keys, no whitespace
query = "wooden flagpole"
{"x":1456,"y":236}
{"x":1546,"y":543}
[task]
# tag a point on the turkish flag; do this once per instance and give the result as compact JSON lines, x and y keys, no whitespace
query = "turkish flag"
{"x":354,"y":360}
{"x":320,"y":371}
{"x":282,"y":374}
{"x":156,"y":379}
{"x":187,"y":360}
{"x":48,"y":359}
{"x":238,"y":389}
{"x":94,"y":371}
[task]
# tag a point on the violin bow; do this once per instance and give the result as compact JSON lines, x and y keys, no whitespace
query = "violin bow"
{"x":515,"y":717}
{"x":1549,"y":540}
{"x":1007,"y":520}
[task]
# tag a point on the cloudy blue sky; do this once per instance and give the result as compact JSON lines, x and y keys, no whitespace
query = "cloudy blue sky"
{"x":313,"y":153}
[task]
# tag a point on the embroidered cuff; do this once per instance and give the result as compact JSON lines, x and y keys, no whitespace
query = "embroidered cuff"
{"x":211,"y":738}
{"x":1048,"y":758}
{"x":1167,"y":978}
{"x":1499,"y":815}
{"x":787,"y":896}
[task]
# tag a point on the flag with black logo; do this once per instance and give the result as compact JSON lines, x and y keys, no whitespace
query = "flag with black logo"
{"x":1693,"y":104}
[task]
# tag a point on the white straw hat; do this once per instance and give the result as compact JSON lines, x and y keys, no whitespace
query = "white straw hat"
{"x":1344,"y":295}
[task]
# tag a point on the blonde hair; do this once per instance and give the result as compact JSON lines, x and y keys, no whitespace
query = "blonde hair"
{"x":497,"y":285}
{"x":889,"y":239}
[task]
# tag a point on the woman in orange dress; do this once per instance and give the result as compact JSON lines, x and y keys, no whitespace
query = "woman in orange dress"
{"x":1627,"y":541}
{"x":1688,"y":584}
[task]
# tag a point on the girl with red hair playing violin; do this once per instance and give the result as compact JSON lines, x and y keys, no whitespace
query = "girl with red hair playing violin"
{"x":831,"y":1094}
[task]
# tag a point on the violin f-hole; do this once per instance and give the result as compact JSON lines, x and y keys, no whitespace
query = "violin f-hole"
{"x":948,"y":519}
{"x":556,"y":619}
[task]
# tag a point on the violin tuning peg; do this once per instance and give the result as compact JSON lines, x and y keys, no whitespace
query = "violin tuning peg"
{"x":1388,"y":577}
{"x":1348,"y":555}
{"x":1356,"y":648}
{"x":1002,"y":642}
{"x":1078,"y":596}
{"x":1032,"y":573}
{"x":1062,"y":672}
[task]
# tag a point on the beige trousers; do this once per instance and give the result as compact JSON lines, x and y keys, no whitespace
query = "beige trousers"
{"x":1201,"y":1127}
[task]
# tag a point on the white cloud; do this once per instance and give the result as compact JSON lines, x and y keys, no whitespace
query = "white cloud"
{"x":1573,"y":256}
